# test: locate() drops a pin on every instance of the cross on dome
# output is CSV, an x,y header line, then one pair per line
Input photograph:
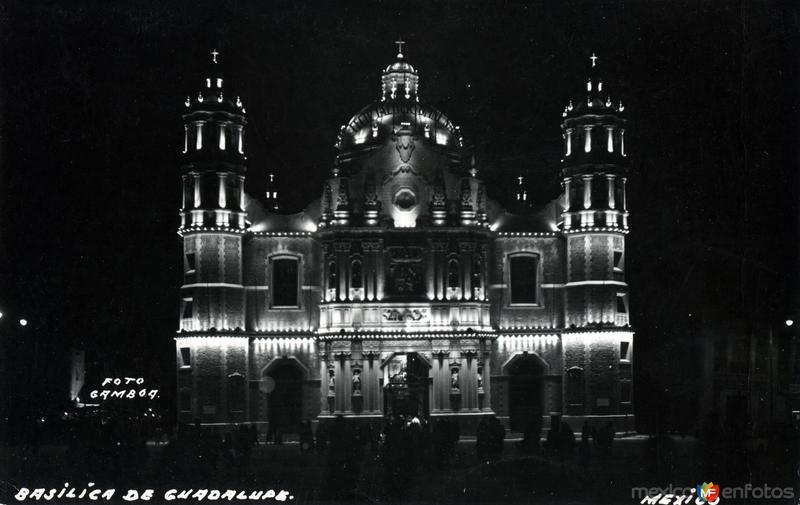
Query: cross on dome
x,y
214,54
594,60
400,47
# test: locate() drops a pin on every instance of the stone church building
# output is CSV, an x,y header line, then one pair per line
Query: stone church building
x,y
402,289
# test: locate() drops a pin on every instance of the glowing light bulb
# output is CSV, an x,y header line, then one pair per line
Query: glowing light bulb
x,y
23,322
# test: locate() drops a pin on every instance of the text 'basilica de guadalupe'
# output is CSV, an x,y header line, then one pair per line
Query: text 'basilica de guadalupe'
x,y
403,289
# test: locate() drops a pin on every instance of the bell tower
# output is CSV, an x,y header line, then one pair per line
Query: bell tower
x,y
598,339
212,216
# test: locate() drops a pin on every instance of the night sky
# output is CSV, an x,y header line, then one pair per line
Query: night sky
x,y
92,97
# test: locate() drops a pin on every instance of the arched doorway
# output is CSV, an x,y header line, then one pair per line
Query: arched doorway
x,y
525,391
406,390
285,402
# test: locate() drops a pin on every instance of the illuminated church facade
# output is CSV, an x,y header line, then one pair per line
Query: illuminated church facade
x,y
403,289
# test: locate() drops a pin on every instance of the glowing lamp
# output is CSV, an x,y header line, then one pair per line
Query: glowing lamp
x,y
789,322
23,322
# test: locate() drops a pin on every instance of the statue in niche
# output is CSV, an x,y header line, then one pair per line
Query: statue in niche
x,y
331,380
454,378
480,377
356,381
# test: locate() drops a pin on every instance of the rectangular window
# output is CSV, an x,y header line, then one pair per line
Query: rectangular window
x,y
621,308
284,282
190,262
625,391
617,261
186,356
235,393
624,350
188,308
522,275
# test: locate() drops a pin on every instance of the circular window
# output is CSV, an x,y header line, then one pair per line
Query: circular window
x,y
405,199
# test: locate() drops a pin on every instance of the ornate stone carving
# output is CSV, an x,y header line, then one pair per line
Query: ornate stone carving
x,y
327,197
466,194
371,246
405,314
343,195
405,272
371,192
341,246
405,147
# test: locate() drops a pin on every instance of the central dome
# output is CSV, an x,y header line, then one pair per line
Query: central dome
x,y
398,110
397,153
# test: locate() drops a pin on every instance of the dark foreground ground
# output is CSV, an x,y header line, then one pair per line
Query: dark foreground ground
x,y
311,478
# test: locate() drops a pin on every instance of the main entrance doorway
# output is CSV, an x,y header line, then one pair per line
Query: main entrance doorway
x,y
285,402
525,391
406,391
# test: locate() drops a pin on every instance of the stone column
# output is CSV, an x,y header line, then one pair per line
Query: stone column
x,y
430,265
440,372
342,250
569,141
587,143
587,191
466,272
380,271
368,270
370,381
610,139
612,202
440,270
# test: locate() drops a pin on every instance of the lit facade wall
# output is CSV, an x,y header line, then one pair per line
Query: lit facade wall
x,y
404,277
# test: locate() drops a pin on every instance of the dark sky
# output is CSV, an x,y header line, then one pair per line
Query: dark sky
x,y
92,96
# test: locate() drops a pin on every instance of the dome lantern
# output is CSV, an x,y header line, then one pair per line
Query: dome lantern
x,y
400,80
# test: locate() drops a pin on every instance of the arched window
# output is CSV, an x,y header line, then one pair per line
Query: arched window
x,y
355,274
453,280
477,273
522,274
285,282
236,392
333,278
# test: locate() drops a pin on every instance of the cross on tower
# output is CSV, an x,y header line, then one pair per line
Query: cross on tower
x,y
214,54
399,47
594,60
